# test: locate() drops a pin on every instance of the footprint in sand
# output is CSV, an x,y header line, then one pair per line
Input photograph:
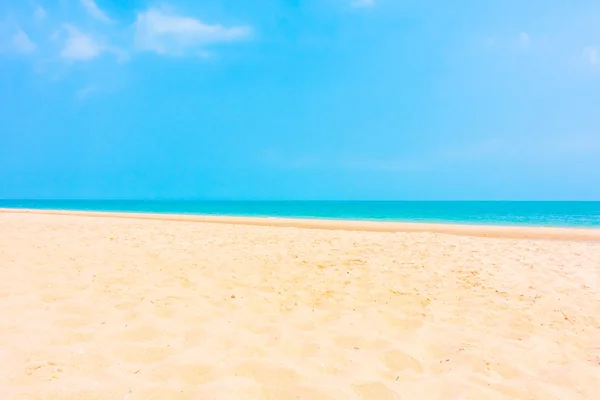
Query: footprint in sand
x,y
145,334
126,305
470,362
75,395
89,364
52,297
69,338
74,322
361,343
165,312
195,337
375,391
167,307
306,326
507,370
268,375
252,351
399,361
143,354
187,374
237,388
75,309
295,393
302,349
162,394
407,325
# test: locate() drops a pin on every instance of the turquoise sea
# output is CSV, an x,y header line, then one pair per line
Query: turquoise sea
x,y
528,213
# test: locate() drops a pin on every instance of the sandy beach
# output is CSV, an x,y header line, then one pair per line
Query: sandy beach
x,y
171,307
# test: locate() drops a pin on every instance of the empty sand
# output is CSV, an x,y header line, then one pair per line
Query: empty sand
x,y
122,308
513,232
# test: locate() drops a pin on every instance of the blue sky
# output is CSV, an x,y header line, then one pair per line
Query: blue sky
x,y
300,99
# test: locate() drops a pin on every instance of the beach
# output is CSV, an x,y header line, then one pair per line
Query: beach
x,y
142,306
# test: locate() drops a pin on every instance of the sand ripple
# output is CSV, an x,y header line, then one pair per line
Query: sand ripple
x,y
112,308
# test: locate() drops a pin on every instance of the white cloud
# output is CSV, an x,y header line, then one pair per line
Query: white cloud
x,y
592,55
22,42
39,13
169,34
96,13
363,3
524,39
80,47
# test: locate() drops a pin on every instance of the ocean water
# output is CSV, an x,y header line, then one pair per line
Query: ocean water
x,y
527,213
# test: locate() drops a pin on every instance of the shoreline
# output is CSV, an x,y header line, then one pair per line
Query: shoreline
x,y
489,231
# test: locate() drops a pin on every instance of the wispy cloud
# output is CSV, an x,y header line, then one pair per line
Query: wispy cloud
x,y
23,43
95,11
86,92
39,13
510,41
592,55
83,47
524,39
155,30
79,47
164,33
362,3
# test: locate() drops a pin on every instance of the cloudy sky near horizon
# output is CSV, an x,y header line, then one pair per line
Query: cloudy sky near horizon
x,y
300,99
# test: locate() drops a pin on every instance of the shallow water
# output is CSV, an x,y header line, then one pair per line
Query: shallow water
x,y
527,213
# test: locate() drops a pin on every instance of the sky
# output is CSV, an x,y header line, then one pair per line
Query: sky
x,y
300,99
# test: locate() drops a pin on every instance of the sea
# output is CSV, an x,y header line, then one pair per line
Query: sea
x,y
583,214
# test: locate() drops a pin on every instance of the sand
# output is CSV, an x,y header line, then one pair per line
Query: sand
x,y
363,226
108,307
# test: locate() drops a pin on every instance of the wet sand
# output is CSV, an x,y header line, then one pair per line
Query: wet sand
x,y
178,307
